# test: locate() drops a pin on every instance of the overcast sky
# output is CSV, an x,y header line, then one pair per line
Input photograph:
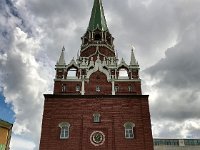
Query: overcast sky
x,y
166,36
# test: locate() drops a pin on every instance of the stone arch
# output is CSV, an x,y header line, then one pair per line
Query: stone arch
x,y
123,72
72,71
101,69
98,84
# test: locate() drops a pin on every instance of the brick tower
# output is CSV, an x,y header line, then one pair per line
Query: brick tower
x,y
97,102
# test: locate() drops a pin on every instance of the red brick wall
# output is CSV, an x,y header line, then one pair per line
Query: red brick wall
x,y
98,79
79,110
123,87
70,87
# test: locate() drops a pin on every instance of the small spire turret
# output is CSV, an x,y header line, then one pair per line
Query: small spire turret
x,y
133,61
61,60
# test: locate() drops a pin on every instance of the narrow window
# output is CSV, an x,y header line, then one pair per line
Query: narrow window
x,y
98,88
129,134
96,118
130,88
78,88
116,88
97,37
63,88
64,130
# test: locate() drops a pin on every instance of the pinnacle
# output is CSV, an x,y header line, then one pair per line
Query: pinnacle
x,y
61,60
133,60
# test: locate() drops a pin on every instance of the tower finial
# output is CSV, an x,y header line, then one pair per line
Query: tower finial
x,y
63,49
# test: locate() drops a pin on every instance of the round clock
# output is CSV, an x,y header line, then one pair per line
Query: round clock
x,y
97,138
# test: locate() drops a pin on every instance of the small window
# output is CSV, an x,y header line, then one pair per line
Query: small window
x,y
64,130
78,88
129,134
130,88
63,87
85,41
98,89
96,118
116,88
123,74
97,37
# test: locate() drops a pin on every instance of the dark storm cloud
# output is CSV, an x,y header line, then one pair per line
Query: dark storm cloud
x,y
10,18
181,66
13,9
177,76
5,32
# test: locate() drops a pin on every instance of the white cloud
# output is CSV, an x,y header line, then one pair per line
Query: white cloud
x,y
31,44
18,143
24,85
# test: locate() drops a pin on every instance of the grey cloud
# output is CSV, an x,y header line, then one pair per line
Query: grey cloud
x,y
20,79
177,78
152,29
176,105
73,9
181,67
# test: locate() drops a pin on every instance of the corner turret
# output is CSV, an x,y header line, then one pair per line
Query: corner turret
x,y
133,62
61,61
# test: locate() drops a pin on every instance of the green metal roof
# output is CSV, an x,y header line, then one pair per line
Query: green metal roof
x,y
97,20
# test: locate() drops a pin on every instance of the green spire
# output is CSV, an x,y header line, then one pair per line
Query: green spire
x,y
97,19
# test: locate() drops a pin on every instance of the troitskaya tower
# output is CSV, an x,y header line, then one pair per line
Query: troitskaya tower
x,y
97,101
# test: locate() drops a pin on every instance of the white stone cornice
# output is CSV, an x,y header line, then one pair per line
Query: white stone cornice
x,y
71,80
127,80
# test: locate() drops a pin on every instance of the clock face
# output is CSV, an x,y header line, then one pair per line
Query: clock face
x,y
97,138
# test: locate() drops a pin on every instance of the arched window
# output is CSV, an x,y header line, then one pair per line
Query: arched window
x,y
98,89
129,134
78,88
96,117
64,88
130,88
64,130
97,37
85,41
108,39
116,88
72,73
123,73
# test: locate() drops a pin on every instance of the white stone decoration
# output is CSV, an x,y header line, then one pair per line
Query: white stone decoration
x,y
97,138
